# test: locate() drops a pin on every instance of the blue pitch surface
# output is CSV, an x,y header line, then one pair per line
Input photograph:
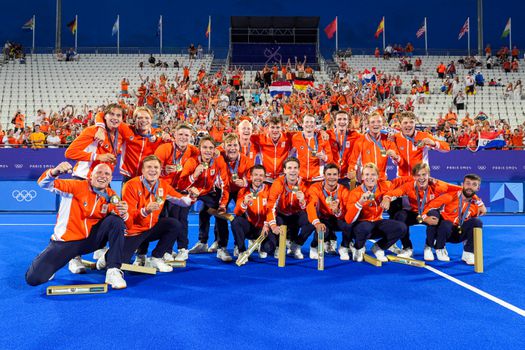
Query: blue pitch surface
x,y
214,305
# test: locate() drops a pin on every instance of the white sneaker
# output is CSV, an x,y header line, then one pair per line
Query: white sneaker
x,y
352,249
235,251
114,277
332,248
199,248
395,249
379,253
214,247
295,250
140,260
223,254
314,255
263,255
167,257
159,264
288,250
276,253
75,265
359,254
101,262
343,253
99,252
442,255
468,258
406,253
182,255
427,254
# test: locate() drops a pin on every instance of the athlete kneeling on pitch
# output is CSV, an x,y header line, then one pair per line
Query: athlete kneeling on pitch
x,y
250,214
145,196
459,213
84,224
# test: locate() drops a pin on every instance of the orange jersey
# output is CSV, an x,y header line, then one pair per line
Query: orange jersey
x,y
80,207
165,153
273,154
449,204
367,151
215,174
283,199
311,167
371,210
341,147
249,151
241,167
411,154
317,202
257,211
84,150
138,194
433,191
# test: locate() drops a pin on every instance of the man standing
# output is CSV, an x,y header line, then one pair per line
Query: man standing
x,y
84,224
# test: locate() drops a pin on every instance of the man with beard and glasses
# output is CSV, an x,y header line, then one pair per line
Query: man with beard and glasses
x,y
459,212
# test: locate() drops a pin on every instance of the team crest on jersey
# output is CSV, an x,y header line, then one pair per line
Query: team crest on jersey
x,y
401,148
131,138
106,146
104,209
455,211
347,144
140,193
367,151
212,172
302,147
283,144
85,204
264,201
432,196
161,192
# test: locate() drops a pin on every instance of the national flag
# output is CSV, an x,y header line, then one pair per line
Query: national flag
x,y
115,27
421,31
464,29
506,31
302,84
368,76
490,139
73,26
331,29
280,88
29,24
208,30
380,28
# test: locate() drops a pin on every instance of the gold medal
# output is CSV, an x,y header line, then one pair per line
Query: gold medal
x,y
114,199
159,199
178,167
235,177
295,189
419,219
314,153
383,153
329,199
205,165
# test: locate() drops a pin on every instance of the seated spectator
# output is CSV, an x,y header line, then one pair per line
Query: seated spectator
x,y
176,64
152,60
480,80
490,62
417,64
514,65
192,51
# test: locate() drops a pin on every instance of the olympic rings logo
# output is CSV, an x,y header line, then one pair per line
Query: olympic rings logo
x,y
23,195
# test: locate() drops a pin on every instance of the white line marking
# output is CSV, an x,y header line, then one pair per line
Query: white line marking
x,y
503,303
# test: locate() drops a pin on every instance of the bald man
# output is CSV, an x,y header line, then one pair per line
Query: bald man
x,y
90,215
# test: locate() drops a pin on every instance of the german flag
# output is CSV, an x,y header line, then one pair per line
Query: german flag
x,y
302,84
73,26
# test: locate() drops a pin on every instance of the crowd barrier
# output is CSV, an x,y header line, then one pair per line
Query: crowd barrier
x,y
502,172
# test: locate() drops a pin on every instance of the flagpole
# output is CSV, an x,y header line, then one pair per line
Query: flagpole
x,y
336,35
209,34
468,36
76,31
161,24
34,27
118,34
510,33
384,31
426,30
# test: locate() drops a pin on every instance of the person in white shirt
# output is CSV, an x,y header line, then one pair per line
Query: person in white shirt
x,y
52,139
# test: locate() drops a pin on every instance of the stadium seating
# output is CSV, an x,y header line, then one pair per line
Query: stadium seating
x,y
44,82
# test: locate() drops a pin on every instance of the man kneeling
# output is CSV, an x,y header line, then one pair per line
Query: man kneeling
x,y
84,224
145,196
